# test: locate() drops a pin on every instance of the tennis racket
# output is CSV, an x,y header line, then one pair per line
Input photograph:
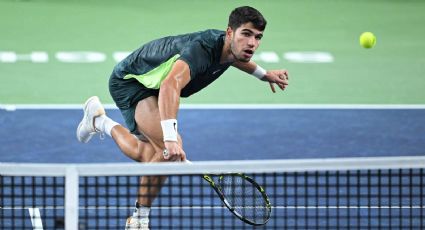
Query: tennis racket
x,y
244,197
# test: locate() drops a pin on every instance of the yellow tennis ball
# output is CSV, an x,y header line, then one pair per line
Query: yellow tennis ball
x,y
367,40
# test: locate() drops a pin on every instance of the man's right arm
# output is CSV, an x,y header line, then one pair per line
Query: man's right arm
x,y
168,103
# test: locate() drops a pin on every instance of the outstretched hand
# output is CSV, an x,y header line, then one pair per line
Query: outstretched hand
x,y
278,77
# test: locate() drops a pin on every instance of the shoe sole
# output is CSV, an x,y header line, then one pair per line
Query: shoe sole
x,y
99,112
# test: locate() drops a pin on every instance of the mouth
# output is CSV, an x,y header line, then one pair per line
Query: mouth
x,y
248,52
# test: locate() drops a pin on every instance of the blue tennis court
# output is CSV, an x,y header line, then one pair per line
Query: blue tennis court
x,y
48,135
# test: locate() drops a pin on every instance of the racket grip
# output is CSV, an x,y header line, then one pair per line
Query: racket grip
x,y
165,154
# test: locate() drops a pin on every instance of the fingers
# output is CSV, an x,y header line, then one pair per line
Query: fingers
x,y
283,75
183,157
285,72
174,153
165,154
168,156
282,79
281,84
272,87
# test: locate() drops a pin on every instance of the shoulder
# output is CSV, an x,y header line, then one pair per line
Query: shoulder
x,y
208,41
211,37
213,33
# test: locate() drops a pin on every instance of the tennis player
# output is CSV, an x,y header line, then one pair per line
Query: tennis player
x,y
147,85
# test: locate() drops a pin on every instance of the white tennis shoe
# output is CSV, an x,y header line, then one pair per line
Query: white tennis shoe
x,y
86,129
137,224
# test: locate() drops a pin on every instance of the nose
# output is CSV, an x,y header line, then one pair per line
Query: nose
x,y
252,41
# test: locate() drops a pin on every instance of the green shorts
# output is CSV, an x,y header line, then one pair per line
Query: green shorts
x,y
126,94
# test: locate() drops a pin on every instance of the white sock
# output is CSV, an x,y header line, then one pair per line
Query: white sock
x,y
141,212
105,124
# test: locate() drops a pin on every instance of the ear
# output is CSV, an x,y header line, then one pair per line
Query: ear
x,y
229,33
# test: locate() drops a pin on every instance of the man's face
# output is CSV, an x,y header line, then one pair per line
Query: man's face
x,y
244,41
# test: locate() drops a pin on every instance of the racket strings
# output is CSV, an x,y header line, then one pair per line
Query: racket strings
x,y
244,197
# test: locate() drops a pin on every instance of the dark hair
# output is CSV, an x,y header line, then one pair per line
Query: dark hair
x,y
245,14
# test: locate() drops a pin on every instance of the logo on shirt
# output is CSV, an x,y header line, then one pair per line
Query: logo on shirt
x,y
215,72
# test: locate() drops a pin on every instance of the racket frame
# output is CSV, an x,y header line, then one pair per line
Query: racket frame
x,y
218,190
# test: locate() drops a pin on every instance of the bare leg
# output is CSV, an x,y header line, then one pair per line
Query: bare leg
x,y
131,146
147,115
149,189
143,152
149,123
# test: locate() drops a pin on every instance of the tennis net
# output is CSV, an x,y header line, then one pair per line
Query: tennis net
x,y
340,193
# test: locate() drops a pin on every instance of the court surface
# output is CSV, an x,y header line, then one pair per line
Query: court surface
x,y
48,136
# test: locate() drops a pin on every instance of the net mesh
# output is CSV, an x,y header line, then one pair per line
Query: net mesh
x,y
28,202
301,199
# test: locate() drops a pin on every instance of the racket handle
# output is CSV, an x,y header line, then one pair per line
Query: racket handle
x,y
165,154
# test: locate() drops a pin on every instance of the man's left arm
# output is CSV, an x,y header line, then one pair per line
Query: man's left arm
x,y
279,77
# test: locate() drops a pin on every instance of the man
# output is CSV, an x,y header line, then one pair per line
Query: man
x,y
147,85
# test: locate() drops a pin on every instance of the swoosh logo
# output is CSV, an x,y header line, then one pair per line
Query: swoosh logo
x,y
216,71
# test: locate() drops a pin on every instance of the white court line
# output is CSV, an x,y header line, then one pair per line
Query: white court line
x,y
37,224
13,107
